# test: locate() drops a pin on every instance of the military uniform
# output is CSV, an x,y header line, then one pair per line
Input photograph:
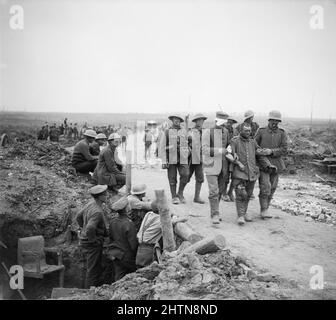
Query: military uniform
x,y
276,140
139,209
244,181
195,139
176,158
108,169
54,134
215,164
94,228
123,240
82,160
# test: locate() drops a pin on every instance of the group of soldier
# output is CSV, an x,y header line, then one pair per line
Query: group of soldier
x,y
54,132
243,154
231,158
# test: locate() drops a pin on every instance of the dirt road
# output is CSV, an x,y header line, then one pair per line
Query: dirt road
x,y
285,245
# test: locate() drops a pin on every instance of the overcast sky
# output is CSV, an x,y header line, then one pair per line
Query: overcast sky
x,y
156,56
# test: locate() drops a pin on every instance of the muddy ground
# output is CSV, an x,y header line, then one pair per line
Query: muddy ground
x,y
40,194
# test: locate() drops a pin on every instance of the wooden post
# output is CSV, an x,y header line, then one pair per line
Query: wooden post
x,y
128,171
166,223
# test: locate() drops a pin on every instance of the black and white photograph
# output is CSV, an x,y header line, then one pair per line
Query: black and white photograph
x,y
174,152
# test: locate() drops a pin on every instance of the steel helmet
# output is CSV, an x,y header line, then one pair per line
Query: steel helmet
x,y
175,116
274,115
101,136
221,115
90,133
139,189
248,114
232,119
199,116
114,136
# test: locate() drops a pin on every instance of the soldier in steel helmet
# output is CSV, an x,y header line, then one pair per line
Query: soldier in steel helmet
x,y
274,138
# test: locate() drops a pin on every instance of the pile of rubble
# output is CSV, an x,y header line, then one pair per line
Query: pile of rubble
x,y
312,210
44,153
213,276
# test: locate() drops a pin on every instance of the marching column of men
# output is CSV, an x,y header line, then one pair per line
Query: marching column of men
x,y
135,231
246,153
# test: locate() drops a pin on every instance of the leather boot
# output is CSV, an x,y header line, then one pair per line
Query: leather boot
x,y
214,210
197,198
247,216
240,206
180,192
264,203
175,199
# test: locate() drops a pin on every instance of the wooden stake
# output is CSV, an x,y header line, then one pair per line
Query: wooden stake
x,y
166,223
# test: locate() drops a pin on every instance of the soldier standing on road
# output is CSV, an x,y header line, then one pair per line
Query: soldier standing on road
x,y
215,164
93,223
195,137
174,151
274,138
248,118
245,171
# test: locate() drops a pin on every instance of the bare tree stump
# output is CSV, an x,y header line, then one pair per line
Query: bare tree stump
x,y
166,223
186,233
207,245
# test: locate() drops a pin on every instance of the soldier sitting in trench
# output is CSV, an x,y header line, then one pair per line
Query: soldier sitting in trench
x,y
138,207
150,236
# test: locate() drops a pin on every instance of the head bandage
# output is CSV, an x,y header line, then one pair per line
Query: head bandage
x,y
220,122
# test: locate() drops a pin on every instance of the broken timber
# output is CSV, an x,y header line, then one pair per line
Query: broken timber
x,y
207,245
166,223
184,231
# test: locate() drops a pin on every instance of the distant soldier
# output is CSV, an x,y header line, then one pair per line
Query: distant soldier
x,y
54,133
174,150
109,167
248,118
93,223
148,140
75,132
70,131
274,138
100,141
65,126
45,131
195,137
40,134
215,164
123,134
244,150
82,160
